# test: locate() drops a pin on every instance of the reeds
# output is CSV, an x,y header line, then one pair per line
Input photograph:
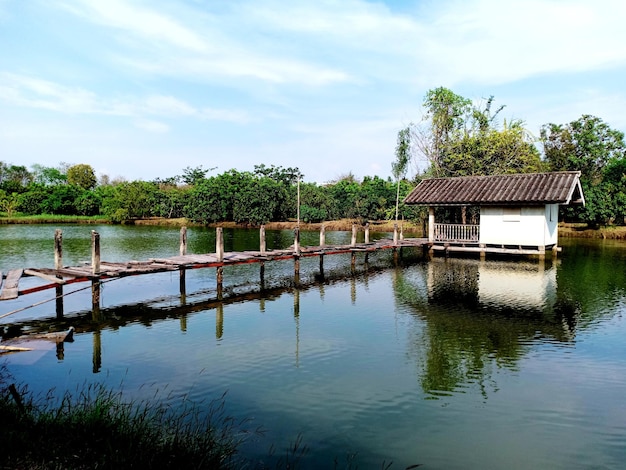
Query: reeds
x,y
96,429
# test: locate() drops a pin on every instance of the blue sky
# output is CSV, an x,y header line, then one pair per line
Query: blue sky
x,y
141,89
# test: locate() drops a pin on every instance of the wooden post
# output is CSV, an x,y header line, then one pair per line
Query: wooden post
x,y
183,241
296,256
95,253
262,245
58,264
367,232
353,240
219,243
483,252
95,270
296,269
58,249
401,232
353,261
182,274
395,234
220,282
296,241
431,224
95,300
555,250
262,274
322,266
323,235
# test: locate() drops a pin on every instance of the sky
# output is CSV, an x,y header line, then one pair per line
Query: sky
x,y
143,89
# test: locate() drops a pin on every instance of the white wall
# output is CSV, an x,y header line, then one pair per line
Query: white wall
x,y
533,226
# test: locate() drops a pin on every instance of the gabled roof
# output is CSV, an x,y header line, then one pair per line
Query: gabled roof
x,y
562,187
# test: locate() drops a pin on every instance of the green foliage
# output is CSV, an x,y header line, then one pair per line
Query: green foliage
x,y
81,175
193,176
14,178
585,145
132,200
492,152
48,175
590,146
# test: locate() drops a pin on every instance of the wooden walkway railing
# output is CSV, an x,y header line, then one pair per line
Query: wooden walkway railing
x,y
457,233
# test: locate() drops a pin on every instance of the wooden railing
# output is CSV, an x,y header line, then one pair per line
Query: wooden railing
x,y
456,233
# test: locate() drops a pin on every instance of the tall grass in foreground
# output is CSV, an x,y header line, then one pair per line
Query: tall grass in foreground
x,y
96,429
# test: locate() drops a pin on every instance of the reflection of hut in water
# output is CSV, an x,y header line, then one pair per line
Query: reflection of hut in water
x,y
478,317
526,285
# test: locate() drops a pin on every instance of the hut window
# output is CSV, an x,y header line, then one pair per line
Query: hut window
x,y
511,214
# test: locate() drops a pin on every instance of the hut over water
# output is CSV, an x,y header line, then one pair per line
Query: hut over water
x,y
519,210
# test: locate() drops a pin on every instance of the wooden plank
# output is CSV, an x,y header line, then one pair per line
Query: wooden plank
x,y
10,290
47,277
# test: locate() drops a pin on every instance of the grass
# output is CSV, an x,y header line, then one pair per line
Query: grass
x,y
96,428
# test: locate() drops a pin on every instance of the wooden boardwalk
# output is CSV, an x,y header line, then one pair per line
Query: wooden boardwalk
x,y
56,277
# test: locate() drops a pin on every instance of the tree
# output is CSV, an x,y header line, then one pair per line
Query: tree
x,y
585,145
49,175
590,146
400,165
193,176
14,178
82,175
447,113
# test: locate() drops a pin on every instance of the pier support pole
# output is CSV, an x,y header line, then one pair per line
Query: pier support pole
x,y
323,235
353,262
353,239
58,264
95,271
183,273
219,243
220,282
367,232
296,255
395,234
96,358
262,244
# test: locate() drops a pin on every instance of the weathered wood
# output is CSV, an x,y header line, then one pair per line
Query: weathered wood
x,y
219,243
95,252
296,241
323,235
262,239
183,241
367,232
10,289
353,238
58,249
47,277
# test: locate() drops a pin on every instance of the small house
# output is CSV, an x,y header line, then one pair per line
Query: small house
x,y
518,211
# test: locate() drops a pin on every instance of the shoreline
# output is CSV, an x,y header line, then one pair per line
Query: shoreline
x,y
566,230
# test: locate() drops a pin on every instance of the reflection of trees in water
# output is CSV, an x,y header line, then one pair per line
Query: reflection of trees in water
x,y
467,330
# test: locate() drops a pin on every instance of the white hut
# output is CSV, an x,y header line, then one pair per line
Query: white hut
x,y
517,211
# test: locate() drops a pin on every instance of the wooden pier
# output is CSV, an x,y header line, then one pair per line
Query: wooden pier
x,y
100,270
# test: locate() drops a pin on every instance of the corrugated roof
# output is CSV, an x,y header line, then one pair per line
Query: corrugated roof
x,y
561,187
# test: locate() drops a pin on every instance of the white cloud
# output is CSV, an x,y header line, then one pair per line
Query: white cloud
x,y
152,126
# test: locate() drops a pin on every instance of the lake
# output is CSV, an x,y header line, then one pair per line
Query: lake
x,y
448,363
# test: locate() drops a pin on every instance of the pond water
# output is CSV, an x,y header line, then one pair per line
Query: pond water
x,y
448,363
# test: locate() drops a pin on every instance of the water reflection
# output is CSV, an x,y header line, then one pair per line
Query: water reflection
x,y
478,316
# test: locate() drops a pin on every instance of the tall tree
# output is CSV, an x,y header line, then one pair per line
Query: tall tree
x,y
446,112
82,175
400,166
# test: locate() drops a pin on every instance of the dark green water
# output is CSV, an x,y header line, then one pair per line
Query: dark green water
x,y
449,363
